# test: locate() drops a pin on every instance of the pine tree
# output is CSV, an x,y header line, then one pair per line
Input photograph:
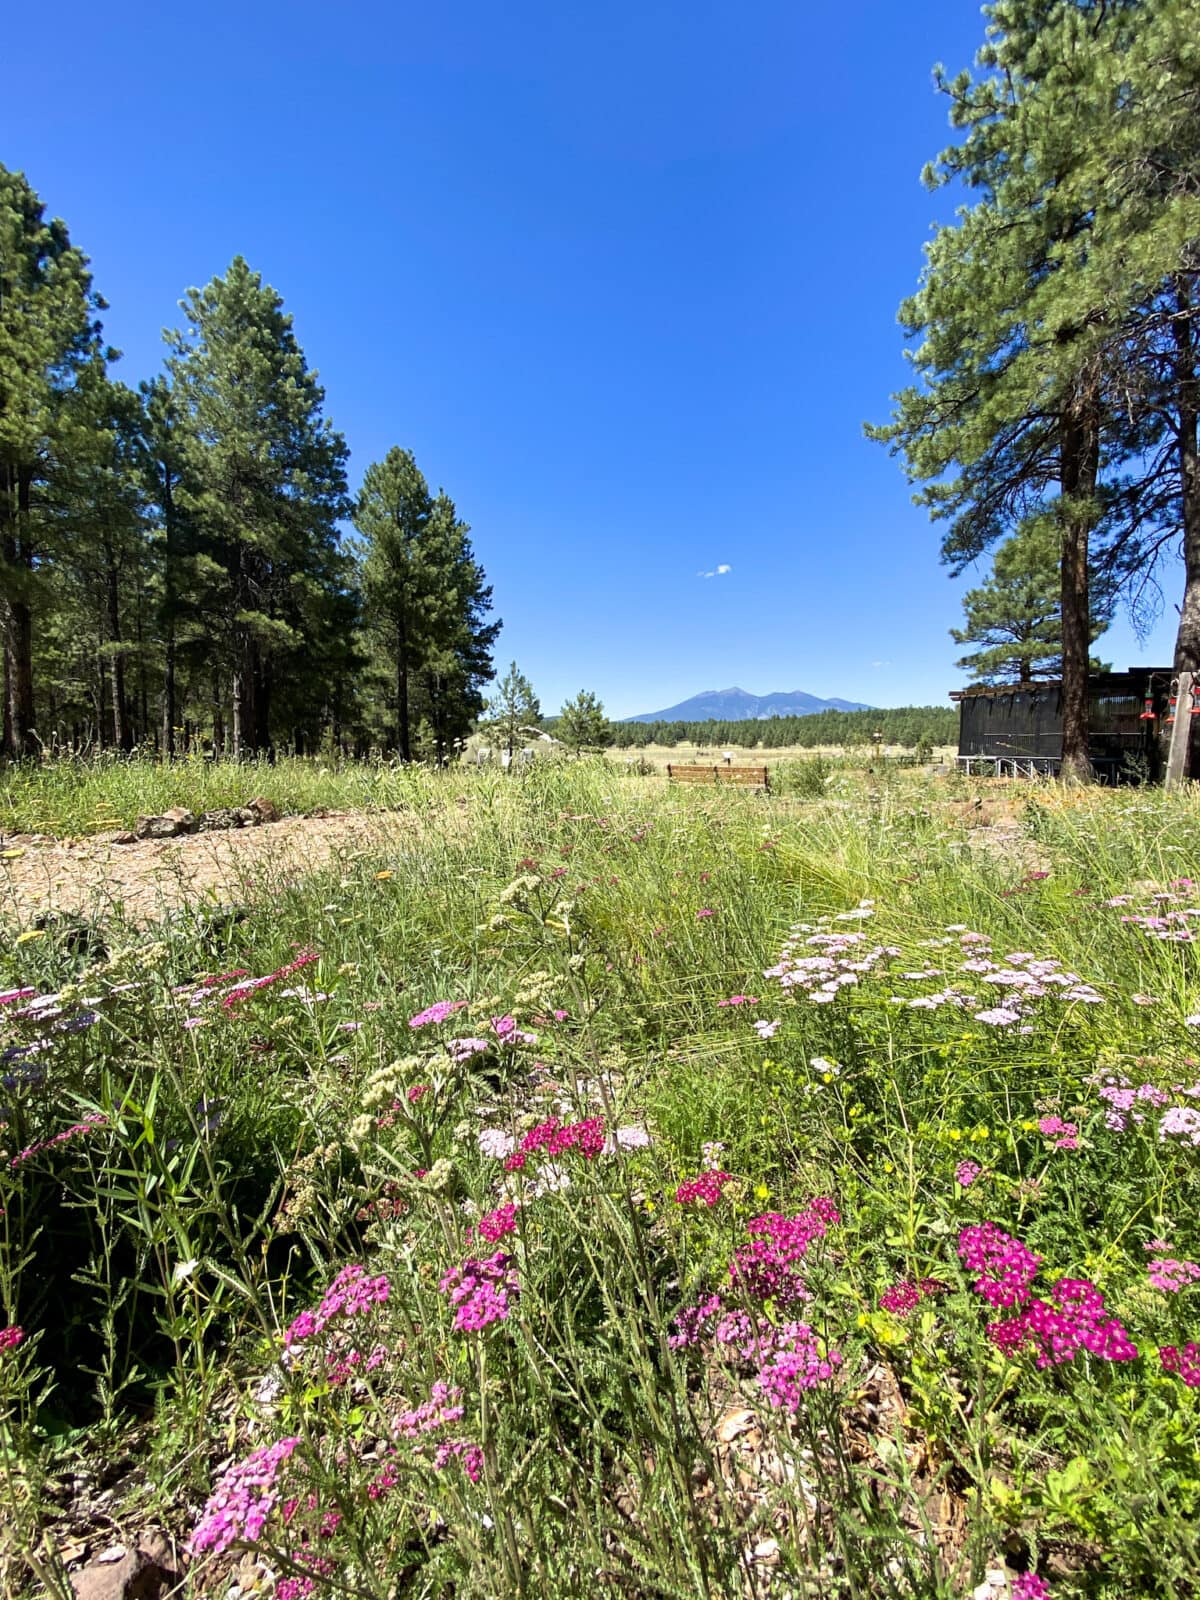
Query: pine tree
x,y
263,484
513,710
582,724
425,602
1015,616
48,335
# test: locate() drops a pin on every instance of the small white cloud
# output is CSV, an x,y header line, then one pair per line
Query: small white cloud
x,y
717,572
881,663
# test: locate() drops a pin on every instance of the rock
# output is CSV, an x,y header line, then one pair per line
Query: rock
x,y
246,817
122,1574
264,810
127,837
168,826
215,821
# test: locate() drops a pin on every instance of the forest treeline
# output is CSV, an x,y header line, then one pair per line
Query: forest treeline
x,y
910,726
172,565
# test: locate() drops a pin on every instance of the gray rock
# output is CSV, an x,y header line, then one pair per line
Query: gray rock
x,y
123,1574
168,826
216,821
264,810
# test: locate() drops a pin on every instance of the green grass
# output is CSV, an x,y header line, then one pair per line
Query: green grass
x,y
241,1164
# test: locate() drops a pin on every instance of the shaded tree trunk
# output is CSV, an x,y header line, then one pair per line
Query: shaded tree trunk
x,y
120,710
16,616
168,613
1187,391
1079,470
402,735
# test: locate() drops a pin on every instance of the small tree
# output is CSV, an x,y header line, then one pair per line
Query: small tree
x,y
512,708
583,725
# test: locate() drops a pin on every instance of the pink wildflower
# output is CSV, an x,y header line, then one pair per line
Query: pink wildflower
x,y
795,1365
1065,1135
243,1500
1171,1276
350,1294
11,1337
966,1172
738,1000
1184,1363
438,1012
443,1407
1005,1266
905,1296
417,1090
1028,1586
479,1291
1058,1332
704,911
493,1225
706,1188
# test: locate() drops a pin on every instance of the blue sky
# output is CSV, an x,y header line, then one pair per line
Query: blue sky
x,y
624,277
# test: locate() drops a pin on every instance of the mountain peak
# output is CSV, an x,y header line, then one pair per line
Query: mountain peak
x,y
737,705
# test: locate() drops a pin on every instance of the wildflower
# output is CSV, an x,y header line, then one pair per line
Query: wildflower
x,y
905,1296
1183,1363
11,1337
738,1000
794,1366
1171,1276
1058,1332
1183,1121
95,1120
1064,1134
438,1012
351,1293
479,1291
764,1269
493,1225
243,1500
495,1142
555,1138
417,1090
766,1030
966,1172
1028,1586
460,1050
706,1188
710,1153
1005,1266
468,1455
692,1322
704,911
443,1407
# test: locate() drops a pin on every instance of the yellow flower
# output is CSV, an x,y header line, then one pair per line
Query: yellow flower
x,y
383,876
30,934
761,1192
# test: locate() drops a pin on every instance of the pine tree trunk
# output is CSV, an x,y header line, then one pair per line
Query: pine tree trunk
x,y
1079,470
120,710
168,694
402,737
1187,640
15,613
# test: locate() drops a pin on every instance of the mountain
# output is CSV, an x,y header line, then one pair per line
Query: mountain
x,y
736,705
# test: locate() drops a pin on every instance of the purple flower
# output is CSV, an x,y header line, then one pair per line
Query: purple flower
x,y
966,1172
438,1012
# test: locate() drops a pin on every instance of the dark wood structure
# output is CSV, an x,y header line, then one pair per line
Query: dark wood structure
x,y
1015,730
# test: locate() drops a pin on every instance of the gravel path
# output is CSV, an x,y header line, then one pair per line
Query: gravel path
x,y
141,882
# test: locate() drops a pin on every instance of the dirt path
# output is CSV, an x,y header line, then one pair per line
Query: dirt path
x,y
140,882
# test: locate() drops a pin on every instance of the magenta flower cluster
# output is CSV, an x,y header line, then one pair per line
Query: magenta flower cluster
x,y
10,1338
966,1172
1005,1266
788,1357
706,1188
243,991
1183,1363
468,1455
243,1500
494,1225
479,1291
67,1134
906,1296
1064,1135
443,1407
1171,1276
738,1000
1076,1321
437,1012
1028,1586
765,1268
794,1365
555,1138
350,1294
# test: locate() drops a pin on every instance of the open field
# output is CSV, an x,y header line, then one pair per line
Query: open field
x,y
756,756
561,1184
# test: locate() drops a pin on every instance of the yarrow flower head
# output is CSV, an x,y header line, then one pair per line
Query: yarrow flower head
x,y
479,1291
494,1225
443,1407
1076,1321
1171,1276
10,1338
1028,1586
1183,1363
350,1294
438,1012
1005,1266
966,1172
794,1365
243,1500
706,1188
765,1268
905,1296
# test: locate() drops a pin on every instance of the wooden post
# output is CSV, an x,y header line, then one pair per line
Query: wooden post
x,y
1181,733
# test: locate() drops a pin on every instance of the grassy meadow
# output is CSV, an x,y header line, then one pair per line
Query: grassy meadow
x,y
593,1187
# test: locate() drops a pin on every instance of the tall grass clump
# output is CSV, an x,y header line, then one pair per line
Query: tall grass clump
x,y
607,1189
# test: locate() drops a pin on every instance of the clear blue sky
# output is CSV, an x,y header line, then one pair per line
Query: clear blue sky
x,y
623,276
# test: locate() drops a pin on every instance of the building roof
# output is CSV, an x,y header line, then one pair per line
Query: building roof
x,y
1132,681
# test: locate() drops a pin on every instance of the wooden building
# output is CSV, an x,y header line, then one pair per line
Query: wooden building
x,y
1015,729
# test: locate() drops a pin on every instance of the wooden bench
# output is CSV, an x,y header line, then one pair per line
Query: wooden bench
x,y
744,777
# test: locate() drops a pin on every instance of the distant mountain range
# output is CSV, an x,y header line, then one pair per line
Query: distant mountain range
x,y
737,705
